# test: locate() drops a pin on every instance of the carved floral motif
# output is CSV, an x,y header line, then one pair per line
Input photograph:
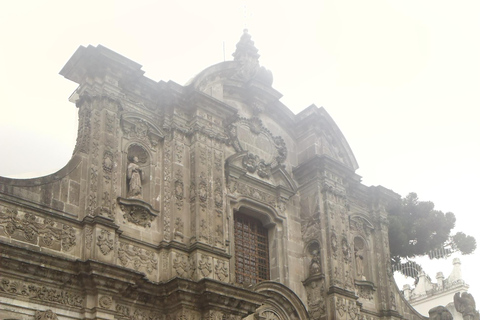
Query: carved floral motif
x,y
204,265
105,302
42,293
183,266
45,315
135,257
104,242
221,270
36,230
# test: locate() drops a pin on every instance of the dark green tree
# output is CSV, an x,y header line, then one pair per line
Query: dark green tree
x,y
417,229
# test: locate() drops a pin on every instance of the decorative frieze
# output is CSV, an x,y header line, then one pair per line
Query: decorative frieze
x,y
45,315
131,256
41,293
44,232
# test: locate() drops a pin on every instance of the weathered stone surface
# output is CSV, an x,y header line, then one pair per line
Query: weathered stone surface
x,y
140,223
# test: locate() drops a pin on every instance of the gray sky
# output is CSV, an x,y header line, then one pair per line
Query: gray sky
x,y
400,78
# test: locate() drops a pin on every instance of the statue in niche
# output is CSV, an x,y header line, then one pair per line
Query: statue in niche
x,y
134,179
315,267
359,258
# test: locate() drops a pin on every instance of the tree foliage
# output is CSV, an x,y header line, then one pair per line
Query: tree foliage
x,y
417,229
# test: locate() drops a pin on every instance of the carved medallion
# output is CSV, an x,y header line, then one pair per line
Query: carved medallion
x,y
137,211
262,150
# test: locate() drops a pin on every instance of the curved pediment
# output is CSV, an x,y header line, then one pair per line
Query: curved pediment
x,y
326,137
140,127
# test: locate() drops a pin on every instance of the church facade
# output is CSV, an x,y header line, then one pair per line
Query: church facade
x,y
205,201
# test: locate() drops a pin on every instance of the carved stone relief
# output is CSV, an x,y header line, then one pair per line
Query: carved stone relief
x,y
204,266
41,293
105,242
45,315
183,266
262,150
137,212
315,299
221,270
135,128
36,230
105,302
131,256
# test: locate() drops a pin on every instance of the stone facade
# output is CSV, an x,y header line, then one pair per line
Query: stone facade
x,y
140,223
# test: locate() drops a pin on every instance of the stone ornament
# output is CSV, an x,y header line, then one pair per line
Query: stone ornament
x,y
440,313
104,242
31,228
137,211
105,302
263,151
45,315
131,256
41,293
134,178
465,304
139,129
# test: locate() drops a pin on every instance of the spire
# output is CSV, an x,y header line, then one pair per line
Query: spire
x,y
246,48
248,66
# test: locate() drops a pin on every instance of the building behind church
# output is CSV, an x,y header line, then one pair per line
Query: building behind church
x,y
205,201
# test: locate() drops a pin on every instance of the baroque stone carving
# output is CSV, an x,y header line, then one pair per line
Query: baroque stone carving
x,y
137,314
29,228
104,242
136,128
137,211
179,193
42,293
204,265
134,178
45,315
105,302
135,257
183,266
178,230
221,270
465,304
88,237
262,150
315,299
440,313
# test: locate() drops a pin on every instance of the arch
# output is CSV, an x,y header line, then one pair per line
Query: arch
x,y
283,300
265,213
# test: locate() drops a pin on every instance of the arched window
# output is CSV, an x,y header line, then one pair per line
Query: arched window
x,y
251,250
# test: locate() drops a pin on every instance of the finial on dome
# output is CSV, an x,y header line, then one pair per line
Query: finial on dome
x,y
246,48
247,56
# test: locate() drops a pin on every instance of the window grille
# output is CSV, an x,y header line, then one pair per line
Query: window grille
x,y
251,250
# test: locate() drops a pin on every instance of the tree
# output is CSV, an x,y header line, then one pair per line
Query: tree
x,y
417,229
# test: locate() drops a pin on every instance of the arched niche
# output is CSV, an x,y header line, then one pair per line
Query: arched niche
x,y
282,303
137,177
361,258
313,264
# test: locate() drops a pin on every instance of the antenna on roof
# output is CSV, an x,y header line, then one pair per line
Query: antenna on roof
x,y
223,42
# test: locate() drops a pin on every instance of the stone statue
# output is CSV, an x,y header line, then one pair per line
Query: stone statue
x,y
315,263
134,179
359,264
465,304
440,313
